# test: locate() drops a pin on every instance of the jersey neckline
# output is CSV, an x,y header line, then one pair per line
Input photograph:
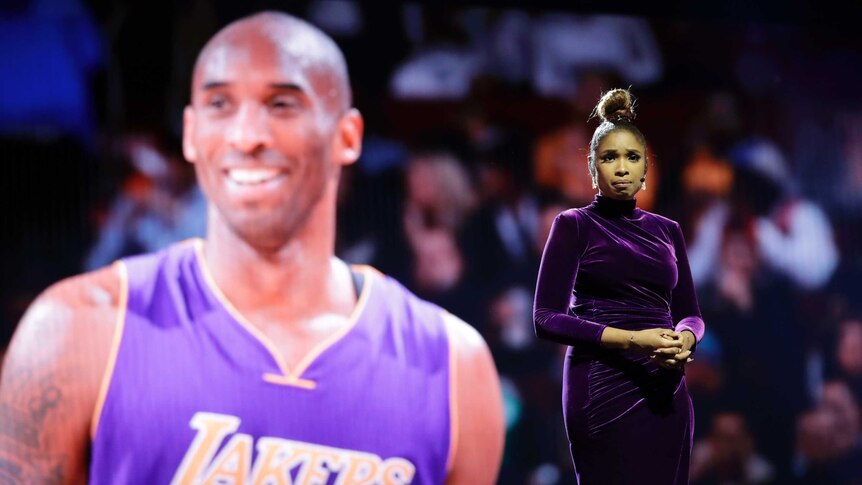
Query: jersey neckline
x,y
287,376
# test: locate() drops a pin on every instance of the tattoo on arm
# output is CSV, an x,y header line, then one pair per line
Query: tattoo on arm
x,y
26,456
20,470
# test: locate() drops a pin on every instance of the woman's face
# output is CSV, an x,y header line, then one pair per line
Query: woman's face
x,y
620,165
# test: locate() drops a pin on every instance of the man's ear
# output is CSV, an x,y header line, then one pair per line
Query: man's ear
x,y
189,150
348,140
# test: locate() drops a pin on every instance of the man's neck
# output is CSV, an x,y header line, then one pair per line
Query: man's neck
x,y
300,278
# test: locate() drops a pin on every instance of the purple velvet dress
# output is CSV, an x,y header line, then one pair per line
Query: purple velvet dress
x,y
610,264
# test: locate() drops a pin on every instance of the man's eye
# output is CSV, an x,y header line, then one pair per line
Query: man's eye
x,y
282,104
218,102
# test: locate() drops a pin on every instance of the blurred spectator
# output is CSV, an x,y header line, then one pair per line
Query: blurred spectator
x,y
159,204
564,45
438,265
550,52
514,332
440,197
728,456
447,55
838,400
756,244
848,354
499,239
829,449
707,181
764,345
439,191
793,234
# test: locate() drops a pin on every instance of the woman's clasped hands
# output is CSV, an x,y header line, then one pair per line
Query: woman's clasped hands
x,y
667,348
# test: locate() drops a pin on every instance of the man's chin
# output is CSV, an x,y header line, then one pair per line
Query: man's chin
x,y
263,232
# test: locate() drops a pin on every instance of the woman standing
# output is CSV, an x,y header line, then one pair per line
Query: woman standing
x,y
615,286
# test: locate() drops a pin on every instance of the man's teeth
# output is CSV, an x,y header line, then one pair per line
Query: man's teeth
x,y
252,176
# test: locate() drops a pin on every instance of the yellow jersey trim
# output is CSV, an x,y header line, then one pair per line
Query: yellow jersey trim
x,y
122,305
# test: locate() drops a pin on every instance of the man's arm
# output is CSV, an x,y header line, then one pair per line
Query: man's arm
x,y
478,408
51,379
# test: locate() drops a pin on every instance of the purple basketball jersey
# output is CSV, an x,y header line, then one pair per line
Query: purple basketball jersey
x,y
195,394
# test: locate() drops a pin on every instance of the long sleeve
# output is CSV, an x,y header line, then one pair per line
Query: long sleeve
x,y
683,305
557,273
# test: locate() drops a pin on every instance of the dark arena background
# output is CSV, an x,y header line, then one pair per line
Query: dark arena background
x,y
477,121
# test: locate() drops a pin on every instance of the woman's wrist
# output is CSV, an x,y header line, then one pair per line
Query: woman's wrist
x,y
615,338
689,338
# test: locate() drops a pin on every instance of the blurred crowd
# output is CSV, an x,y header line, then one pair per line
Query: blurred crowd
x,y
478,124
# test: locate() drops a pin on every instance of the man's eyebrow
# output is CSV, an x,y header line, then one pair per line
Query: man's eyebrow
x,y
214,85
286,87
210,85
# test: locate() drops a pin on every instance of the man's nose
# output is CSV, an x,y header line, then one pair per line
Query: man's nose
x,y
249,131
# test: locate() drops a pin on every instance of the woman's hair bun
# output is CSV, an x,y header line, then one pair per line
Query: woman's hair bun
x,y
616,105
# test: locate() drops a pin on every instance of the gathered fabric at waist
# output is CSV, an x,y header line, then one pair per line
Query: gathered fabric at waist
x,y
603,385
624,317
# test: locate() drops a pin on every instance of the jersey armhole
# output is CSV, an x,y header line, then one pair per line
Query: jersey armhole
x,y
122,304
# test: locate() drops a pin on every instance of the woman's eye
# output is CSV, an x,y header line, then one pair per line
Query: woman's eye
x,y
634,157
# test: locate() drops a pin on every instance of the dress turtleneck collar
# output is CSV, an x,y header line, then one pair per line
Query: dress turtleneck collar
x,y
613,207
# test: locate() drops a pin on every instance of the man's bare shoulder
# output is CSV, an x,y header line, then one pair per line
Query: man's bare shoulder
x,y
74,316
97,290
467,342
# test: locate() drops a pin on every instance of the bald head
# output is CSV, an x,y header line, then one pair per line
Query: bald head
x,y
293,41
